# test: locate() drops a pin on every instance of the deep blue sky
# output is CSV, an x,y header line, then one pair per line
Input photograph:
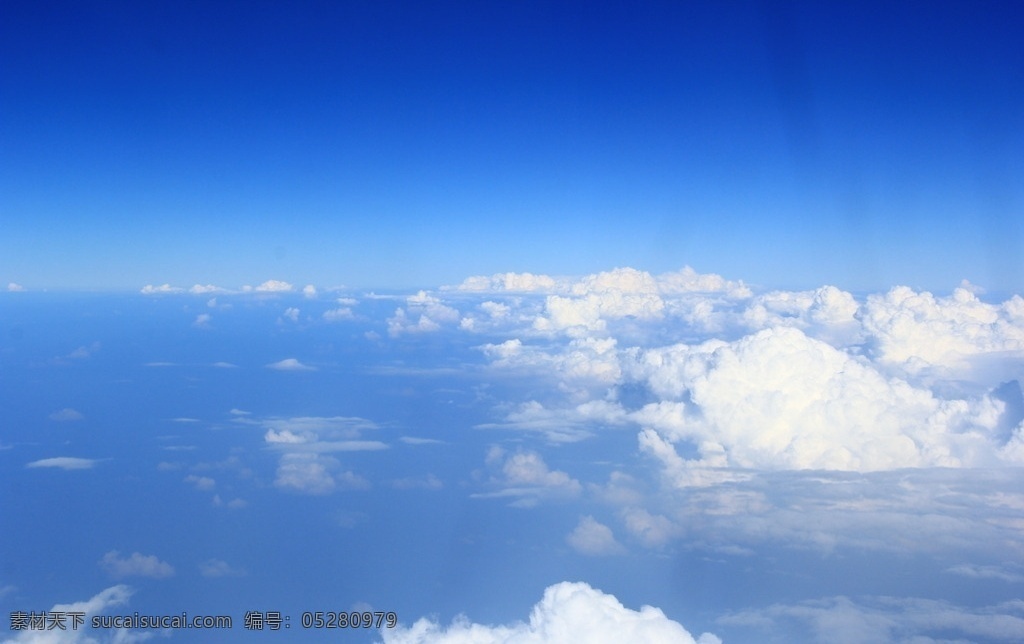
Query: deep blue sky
x,y
385,144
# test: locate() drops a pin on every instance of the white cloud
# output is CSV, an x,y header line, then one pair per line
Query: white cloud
x,y
973,513
66,414
290,364
566,425
338,314
309,473
13,287
149,289
109,598
65,463
569,613
415,440
309,291
525,477
135,565
1010,573
202,321
304,443
915,330
515,282
424,313
653,530
274,286
687,280
593,538
291,313
201,289
779,399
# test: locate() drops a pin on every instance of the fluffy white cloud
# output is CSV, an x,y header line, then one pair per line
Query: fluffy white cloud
x,y
98,603
423,313
779,399
304,472
202,321
274,286
916,330
568,613
290,364
135,565
526,478
309,291
65,463
687,280
590,537
514,282
13,287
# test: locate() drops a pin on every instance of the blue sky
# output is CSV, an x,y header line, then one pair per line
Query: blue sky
x,y
665,323
401,145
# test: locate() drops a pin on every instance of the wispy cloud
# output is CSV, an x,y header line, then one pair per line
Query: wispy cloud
x,y
65,463
66,414
290,364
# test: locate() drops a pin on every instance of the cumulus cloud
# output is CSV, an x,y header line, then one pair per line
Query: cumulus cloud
x,y
917,330
13,287
65,463
274,286
135,565
98,603
515,282
524,477
313,473
290,364
568,613
66,414
779,399
202,321
423,313
590,537
291,313
304,443
309,291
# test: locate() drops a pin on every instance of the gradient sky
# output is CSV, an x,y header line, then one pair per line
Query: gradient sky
x,y
384,144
